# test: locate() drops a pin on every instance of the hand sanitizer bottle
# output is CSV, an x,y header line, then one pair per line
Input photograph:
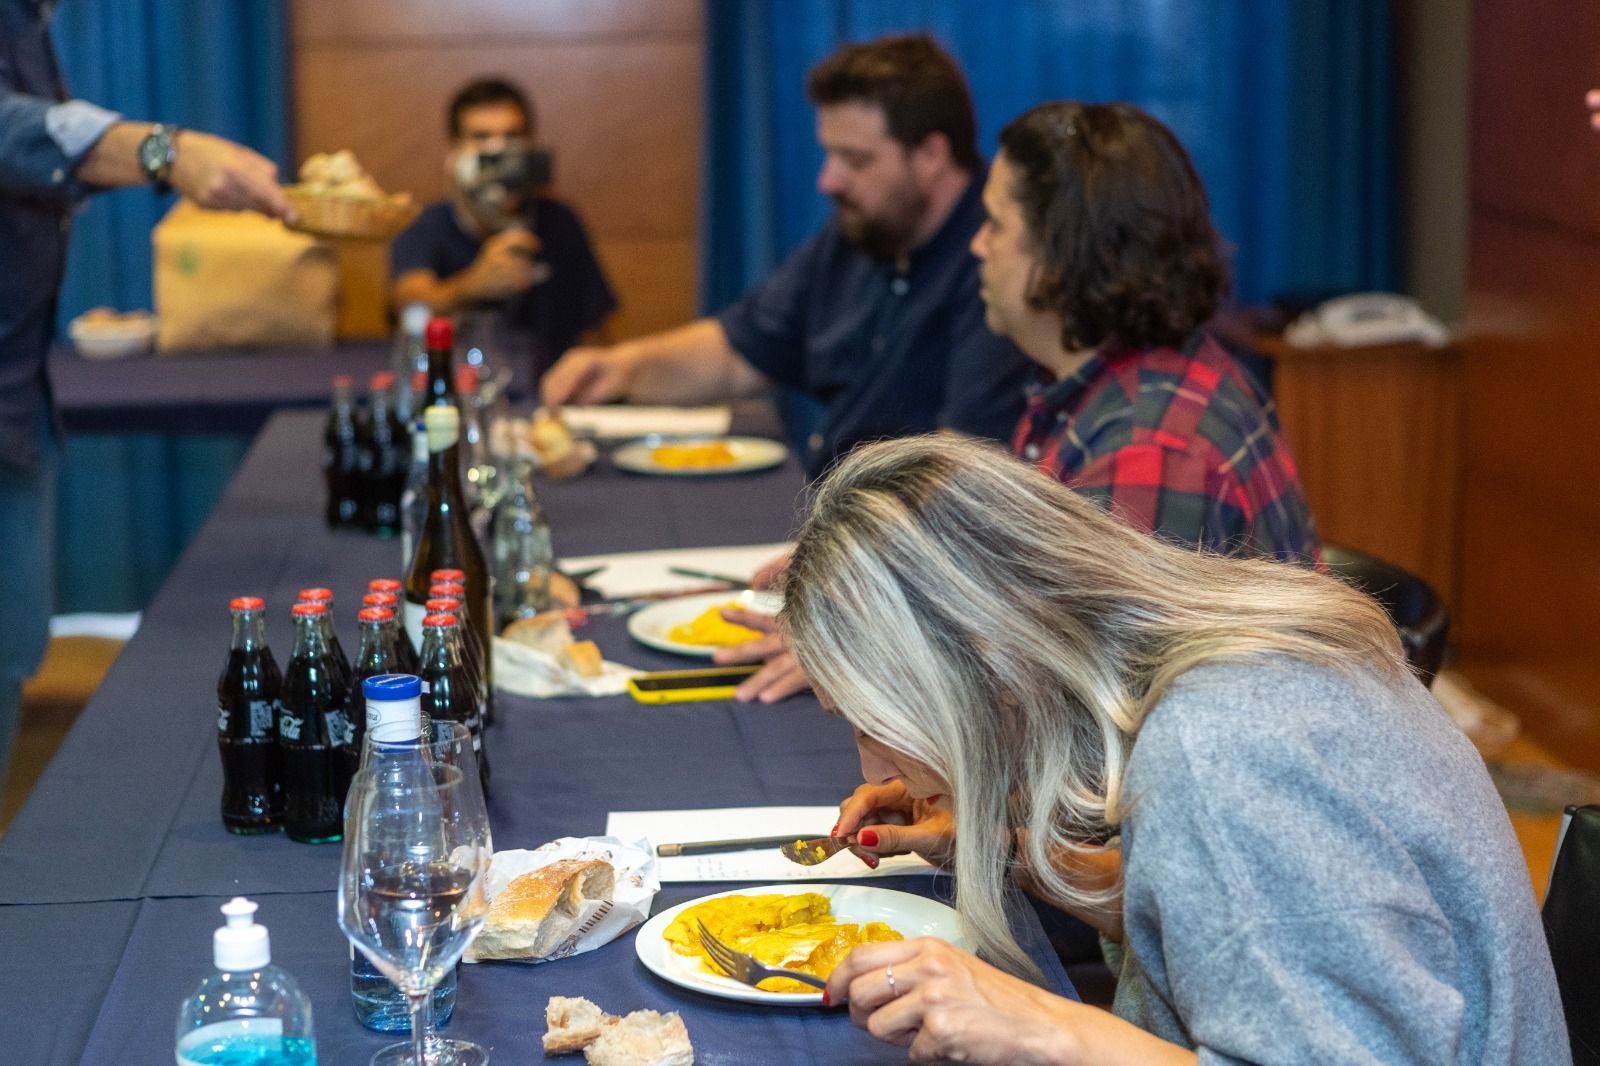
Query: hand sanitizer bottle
x,y
249,1012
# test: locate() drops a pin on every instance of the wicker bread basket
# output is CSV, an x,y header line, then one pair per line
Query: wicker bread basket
x,y
324,214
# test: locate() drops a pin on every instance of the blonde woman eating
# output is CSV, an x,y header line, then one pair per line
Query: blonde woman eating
x,y
1315,867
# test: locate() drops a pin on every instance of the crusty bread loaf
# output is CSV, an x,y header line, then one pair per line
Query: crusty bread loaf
x,y
547,631
572,1024
584,655
532,915
643,1038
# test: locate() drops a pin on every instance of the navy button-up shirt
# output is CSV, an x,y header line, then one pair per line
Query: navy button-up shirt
x,y
888,353
42,138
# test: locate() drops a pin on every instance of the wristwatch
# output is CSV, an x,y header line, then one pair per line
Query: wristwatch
x,y
157,152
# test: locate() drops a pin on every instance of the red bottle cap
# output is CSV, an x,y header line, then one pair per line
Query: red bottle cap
x,y
439,334
381,381
439,620
383,584
375,614
466,380
300,610
442,603
447,588
343,381
247,603
316,595
380,599
448,575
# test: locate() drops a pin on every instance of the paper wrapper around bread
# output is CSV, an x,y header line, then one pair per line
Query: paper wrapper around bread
x,y
586,892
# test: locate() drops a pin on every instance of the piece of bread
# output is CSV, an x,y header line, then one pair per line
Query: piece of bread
x,y
535,913
547,631
572,1024
643,1038
584,656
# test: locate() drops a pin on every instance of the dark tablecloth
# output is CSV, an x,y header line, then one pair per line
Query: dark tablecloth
x,y
111,876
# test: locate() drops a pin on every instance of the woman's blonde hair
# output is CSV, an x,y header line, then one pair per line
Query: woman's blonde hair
x,y
986,621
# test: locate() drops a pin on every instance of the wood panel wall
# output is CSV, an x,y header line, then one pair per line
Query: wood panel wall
x,y
1529,625
617,87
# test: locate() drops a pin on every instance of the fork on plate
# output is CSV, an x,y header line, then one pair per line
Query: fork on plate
x,y
744,968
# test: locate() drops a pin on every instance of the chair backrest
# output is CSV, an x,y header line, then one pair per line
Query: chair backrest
x,y
1416,610
1572,927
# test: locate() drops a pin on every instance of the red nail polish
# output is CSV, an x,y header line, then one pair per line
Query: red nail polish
x,y
871,861
835,830
869,838
826,1002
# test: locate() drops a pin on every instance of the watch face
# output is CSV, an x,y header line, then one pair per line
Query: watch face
x,y
155,152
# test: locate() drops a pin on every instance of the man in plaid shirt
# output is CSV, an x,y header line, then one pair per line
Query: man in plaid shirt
x,y
1099,261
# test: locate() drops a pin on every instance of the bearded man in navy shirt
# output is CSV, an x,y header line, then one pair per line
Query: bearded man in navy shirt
x,y
877,317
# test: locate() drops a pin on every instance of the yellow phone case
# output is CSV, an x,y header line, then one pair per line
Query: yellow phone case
x,y
691,693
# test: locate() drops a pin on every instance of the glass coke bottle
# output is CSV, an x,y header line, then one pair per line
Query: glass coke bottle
x,y
375,656
405,653
448,689
247,709
446,540
471,644
312,727
341,460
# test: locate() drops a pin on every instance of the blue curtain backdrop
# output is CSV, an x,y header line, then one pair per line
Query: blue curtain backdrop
x,y
129,503
214,65
1284,104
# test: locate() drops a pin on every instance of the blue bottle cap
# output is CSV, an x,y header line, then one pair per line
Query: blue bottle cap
x,y
392,687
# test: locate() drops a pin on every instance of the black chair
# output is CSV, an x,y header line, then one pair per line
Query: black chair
x,y
1417,611
1572,927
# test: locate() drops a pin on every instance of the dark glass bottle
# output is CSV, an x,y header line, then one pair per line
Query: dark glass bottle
x,y
476,653
448,690
441,604
389,445
405,653
313,726
446,540
341,459
341,661
247,709
375,656
439,338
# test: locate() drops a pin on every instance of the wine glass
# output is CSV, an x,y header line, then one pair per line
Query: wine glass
x,y
416,849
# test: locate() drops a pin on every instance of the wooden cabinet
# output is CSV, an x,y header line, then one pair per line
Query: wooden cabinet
x,y
1376,433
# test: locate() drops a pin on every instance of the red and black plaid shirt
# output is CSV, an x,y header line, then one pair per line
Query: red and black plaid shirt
x,y
1183,444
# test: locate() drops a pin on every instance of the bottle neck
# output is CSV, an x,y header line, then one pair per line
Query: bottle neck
x,y
441,389
249,630
309,641
377,645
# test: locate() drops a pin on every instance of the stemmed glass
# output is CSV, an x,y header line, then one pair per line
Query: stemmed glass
x,y
416,849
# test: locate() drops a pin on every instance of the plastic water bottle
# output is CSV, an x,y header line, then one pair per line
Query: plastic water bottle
x,y
394,752
249,1012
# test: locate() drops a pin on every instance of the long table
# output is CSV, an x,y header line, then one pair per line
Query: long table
x,y
111,876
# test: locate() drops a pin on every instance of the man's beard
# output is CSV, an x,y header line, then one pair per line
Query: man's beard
x,y
887,235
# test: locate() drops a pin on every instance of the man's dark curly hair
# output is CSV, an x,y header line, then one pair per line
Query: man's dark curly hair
x,y
919,88
488,91
1119,222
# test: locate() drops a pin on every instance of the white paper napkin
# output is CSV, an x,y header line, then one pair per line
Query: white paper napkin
x,y
525,671
687,826
622,421
644,573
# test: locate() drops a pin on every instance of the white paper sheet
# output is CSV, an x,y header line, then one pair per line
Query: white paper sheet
x,y
624,421
722,823
645,573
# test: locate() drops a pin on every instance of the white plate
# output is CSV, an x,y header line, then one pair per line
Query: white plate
x,y
651,625
909,914
749,453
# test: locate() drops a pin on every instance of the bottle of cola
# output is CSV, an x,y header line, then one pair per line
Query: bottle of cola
x,y
341,457
405,653
389,444
471,644
449,691
314,733
247,709
341,661
442,604
375,656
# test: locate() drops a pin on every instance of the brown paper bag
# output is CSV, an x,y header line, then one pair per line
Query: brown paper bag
x,y
227,279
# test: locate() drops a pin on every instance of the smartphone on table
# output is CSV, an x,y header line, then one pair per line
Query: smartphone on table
x,y
688,686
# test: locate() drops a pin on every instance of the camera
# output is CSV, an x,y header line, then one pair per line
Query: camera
x,y
496,185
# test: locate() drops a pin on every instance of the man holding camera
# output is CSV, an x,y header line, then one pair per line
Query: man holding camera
x,y
496,244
